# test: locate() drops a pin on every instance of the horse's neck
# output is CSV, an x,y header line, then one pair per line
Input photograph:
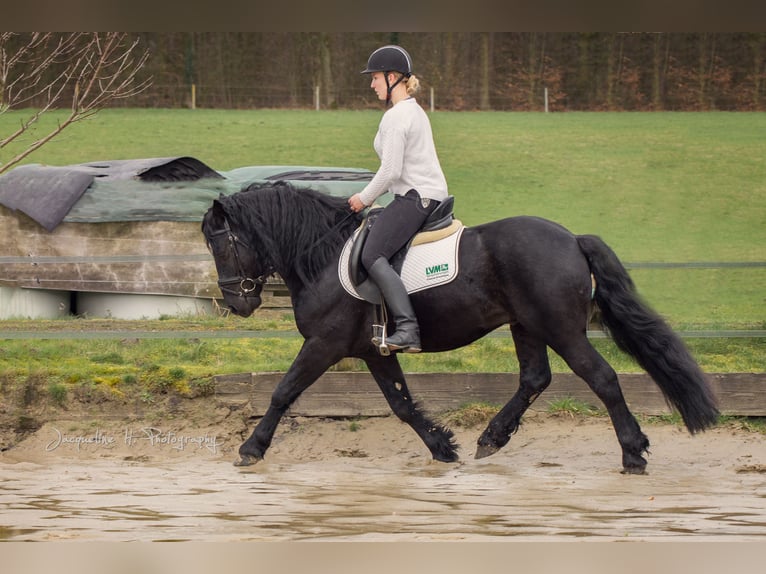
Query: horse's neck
x,y
307,256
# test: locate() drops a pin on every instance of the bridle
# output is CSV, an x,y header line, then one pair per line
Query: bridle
x,y
244,286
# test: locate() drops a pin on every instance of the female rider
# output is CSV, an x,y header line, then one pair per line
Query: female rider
x,y
410,169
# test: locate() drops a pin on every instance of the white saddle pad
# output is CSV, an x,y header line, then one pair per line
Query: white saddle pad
x,y
425,266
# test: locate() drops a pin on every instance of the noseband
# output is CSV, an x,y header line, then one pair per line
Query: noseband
x,y
244,286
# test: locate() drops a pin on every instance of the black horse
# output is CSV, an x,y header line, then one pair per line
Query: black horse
x,y
525,271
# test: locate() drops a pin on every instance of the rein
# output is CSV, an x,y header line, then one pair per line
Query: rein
x,y
327,233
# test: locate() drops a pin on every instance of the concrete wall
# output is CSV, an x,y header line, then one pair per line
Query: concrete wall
x,y
134,306
18,303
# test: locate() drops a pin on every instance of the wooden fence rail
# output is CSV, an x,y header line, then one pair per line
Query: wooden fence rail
x,y
349,394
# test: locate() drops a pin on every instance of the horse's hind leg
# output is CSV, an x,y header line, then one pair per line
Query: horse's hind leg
x,y
390,378
589,365
534,377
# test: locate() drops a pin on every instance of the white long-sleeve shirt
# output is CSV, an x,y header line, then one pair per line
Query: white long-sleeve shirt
x,y
405,145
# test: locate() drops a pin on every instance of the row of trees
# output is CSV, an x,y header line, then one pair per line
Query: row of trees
x,y
466,70
499,71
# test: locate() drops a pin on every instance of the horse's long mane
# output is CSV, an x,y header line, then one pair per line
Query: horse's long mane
x,y
300,230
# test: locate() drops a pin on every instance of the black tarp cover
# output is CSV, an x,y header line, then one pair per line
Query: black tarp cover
x,y
159,189
48,193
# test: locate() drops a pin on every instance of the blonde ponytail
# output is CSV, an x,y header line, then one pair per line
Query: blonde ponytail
x,y
413,85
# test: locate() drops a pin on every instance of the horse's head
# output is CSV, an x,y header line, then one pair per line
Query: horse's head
x,y
240,275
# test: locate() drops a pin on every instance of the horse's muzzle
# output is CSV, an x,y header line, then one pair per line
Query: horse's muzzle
x,y
243,306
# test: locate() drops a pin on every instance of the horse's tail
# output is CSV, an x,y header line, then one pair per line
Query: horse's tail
x,y
641,332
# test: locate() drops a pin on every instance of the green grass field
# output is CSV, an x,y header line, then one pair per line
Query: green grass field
x,y
658,187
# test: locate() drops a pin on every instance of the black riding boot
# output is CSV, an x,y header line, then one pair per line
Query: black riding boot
x,y
407,335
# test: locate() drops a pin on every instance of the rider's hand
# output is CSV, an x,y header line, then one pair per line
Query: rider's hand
x,y
355,203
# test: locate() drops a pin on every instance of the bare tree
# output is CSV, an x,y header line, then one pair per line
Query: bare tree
x,y
45,70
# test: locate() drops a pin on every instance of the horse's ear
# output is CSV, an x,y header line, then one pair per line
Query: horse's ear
x,y
215,215
218,209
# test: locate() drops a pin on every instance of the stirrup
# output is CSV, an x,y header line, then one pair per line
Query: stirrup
x,y
379,339
384,348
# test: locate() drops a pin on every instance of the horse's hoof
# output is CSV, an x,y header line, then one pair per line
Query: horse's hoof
x,y
634,470
247,460
484,450
448,458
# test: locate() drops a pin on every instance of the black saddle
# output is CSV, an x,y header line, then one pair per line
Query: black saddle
x,y
440,218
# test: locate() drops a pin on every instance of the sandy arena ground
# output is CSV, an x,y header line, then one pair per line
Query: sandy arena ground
x,y
372,480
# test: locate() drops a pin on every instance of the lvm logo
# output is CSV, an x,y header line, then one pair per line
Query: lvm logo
x,y
437,271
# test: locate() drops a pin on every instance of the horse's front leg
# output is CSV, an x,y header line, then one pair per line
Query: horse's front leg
x,y
388,374
314,358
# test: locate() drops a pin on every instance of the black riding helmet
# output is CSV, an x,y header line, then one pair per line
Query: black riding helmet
x,y
389,58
